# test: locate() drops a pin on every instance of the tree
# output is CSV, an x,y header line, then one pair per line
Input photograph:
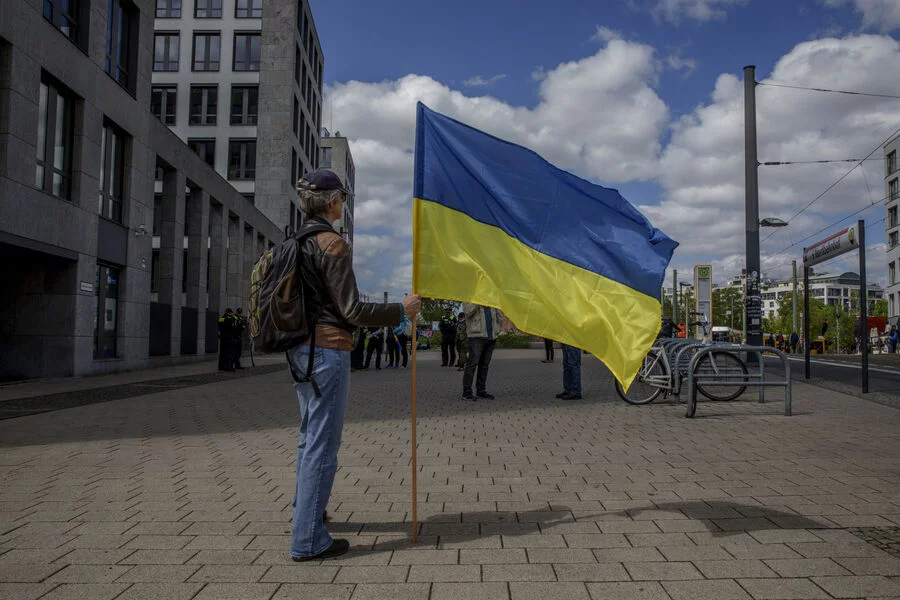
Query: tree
x,y
880,308
433,308
725,300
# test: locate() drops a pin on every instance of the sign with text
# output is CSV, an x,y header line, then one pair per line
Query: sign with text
x,y
703,292
835,245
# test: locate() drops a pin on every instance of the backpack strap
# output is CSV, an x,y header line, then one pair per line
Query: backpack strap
x,y
312,319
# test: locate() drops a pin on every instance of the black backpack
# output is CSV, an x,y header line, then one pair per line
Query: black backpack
x,y
279,318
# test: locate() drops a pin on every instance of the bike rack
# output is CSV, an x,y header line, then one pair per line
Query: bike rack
x,y
713,379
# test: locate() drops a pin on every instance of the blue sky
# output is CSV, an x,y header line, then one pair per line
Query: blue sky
x,y
639,95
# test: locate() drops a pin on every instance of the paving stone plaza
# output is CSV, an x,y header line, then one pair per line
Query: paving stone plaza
x,y
185,492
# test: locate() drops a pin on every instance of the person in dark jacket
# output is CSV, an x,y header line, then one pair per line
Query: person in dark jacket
x,y
327,268
794,340
376,339
357,356
548,350
447,327
225,325
238,325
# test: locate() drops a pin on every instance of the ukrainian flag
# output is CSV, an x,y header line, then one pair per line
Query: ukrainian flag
x,y
563,258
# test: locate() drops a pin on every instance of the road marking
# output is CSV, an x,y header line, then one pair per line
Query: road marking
x,y
834,363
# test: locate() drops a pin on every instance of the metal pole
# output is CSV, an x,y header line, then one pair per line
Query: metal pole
x,y
751,204
806,340
675,296
863,305
794,295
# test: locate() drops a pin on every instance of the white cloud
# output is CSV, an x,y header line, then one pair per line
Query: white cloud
x,y
702,169
674,11
878,15
479,81
678,63
606,34
601,117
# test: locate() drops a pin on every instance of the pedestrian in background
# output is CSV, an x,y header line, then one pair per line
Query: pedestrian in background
x,y
892,340
376,339
462,342
548,350
239,324
224,326
393,349
571,373
447,327
483,327
330,291
357,356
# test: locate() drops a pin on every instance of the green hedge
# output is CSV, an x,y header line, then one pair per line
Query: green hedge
x,y
512,340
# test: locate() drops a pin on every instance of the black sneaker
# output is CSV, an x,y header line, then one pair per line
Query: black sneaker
x,y
485,395
469,396
337,548
562,395
572,397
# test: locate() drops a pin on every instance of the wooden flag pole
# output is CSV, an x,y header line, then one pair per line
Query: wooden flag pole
x,y
415,520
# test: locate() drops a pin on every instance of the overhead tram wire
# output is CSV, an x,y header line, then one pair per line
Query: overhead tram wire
x,y
816,162
840,179
813,89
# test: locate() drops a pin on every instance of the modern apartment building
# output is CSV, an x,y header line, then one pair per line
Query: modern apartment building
x,y
892,225
834,290
240,81
79,149
335,155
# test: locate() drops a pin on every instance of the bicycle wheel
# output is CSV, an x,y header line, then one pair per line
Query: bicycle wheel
x,y
723,363
643,390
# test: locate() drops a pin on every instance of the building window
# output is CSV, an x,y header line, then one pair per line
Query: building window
x,y
204,105
300,17
121,42
893,190
892,273
892,239
244,104
293,167
326,158
205,149
208,9
298,61
246,51
168,9
70,17
892,217
241,159
295,117
106,315
162,103
54,144
157,213
247,9
891,161
166,51
112,172
154,272
302,82
207,48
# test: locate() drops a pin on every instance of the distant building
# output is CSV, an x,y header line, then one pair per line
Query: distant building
x,y
241,83
834,290
334,154
79,148
892,226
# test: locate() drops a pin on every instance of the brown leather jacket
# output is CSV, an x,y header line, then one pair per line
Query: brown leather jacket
x,y
328,268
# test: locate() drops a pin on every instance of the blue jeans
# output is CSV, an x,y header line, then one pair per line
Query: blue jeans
x,y
571,370
322,420
480,352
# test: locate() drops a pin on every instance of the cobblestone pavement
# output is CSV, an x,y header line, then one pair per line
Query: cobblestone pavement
x,y
185,494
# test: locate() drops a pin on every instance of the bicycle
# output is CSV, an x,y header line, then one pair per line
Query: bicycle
x,y
666,364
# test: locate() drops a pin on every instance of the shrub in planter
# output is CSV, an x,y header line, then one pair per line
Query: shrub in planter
x,y
512,340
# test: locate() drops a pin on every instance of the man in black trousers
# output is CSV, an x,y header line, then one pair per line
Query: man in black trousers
x,y
448,338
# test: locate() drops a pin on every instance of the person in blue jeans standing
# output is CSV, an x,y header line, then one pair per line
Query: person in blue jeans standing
x,y
571,373
330,290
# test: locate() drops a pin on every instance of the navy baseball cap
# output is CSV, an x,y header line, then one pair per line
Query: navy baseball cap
x,y
321,180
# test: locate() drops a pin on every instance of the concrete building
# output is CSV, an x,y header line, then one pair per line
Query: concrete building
x,y
79,148
834,290
335,155
241,83
892,225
